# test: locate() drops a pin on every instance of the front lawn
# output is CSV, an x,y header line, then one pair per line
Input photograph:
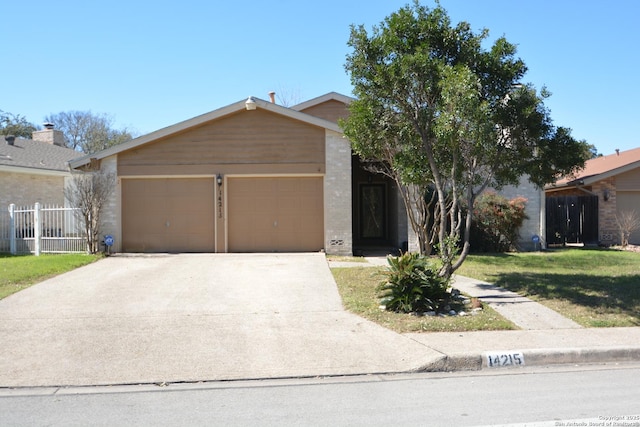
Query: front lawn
x,y
593,287
358,289
21,271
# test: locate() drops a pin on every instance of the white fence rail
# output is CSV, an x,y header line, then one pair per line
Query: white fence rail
x,y
41,229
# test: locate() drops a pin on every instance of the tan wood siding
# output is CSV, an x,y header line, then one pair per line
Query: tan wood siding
x,y
629,180
168,215
268,214
331,110
247,137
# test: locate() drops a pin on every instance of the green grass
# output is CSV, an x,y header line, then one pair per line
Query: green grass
x,y
18,272
593,287
358,288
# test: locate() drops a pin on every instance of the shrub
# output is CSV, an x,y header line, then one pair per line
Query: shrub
x,y
628,222
412,284
496,221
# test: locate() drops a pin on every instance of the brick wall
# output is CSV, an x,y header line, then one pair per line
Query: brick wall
x,y
110,222
337,195
24,189
607,227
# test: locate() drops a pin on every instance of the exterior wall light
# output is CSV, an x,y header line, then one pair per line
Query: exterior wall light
x,y
606,195
219,180
250,104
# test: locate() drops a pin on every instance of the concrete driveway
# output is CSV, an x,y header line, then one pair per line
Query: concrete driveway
x,y
192,317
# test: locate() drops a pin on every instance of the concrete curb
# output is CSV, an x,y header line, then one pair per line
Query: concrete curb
x,y
536,357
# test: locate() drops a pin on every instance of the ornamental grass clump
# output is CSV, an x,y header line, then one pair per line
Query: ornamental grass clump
x,y
412,285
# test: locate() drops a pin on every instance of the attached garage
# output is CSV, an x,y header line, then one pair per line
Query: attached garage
x,y
253,176
275,214
168,215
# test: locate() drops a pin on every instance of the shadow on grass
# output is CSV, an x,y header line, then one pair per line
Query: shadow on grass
x,y
617,294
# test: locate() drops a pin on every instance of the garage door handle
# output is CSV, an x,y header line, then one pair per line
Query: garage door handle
x,y
275,223
168,224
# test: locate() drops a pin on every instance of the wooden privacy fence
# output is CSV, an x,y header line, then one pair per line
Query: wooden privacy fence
x,y
41,229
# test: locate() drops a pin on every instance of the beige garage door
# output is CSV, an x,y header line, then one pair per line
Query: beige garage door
x,y
275,214
168,215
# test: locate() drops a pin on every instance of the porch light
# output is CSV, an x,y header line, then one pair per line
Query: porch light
x,y
219,180
250,104
606,195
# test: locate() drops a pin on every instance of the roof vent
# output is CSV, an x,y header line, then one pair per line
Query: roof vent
x,y
10,139
272,96
617,151
48,125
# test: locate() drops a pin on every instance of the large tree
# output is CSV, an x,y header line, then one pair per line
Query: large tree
x,y
446,118
16,125
88,132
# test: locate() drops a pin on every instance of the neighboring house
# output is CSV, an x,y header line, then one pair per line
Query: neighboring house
x,y
34,170
585,204
253,176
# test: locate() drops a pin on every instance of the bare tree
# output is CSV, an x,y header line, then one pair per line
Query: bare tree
x,y
288,97
90,191
628,222
88,132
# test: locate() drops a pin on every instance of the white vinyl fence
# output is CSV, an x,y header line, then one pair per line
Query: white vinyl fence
x,y
41,229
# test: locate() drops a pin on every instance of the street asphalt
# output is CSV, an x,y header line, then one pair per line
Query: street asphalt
x,y
145,319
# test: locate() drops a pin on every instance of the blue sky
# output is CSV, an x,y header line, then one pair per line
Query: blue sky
x,y
153,64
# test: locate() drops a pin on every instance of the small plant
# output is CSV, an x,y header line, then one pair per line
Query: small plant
x,y
628,222
412,284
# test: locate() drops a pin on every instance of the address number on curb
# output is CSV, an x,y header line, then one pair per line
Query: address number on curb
x,y
499,360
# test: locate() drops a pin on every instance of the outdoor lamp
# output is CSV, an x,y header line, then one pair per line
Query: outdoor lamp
x,y
219,180
250,104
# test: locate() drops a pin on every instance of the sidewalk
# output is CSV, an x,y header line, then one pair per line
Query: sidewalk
x,y
545,338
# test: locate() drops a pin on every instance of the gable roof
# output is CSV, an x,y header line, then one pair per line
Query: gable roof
x,y
602,168
331,96
27,155
204,118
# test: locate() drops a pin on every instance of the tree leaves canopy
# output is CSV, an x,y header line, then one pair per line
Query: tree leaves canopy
x,y
16,125
435,108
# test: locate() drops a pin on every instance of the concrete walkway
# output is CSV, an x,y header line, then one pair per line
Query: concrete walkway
x,y
523,312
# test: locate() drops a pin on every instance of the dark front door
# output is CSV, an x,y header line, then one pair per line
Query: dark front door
x,y
372,212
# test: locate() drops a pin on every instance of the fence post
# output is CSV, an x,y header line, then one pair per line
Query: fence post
x,y
12,229
37,228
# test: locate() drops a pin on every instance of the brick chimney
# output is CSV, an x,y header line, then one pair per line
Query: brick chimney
x,y
49,135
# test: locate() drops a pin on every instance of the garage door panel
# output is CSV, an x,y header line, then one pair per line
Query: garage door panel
x,y
275,214
168,215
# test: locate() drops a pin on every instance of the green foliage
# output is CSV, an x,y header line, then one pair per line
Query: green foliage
x,y
436,108
16,125
21,271
496,221
412,284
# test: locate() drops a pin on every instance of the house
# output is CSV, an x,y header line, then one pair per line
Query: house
x,y
253,176
590,200
34,170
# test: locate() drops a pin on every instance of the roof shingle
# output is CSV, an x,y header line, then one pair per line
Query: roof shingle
x,y
27,153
